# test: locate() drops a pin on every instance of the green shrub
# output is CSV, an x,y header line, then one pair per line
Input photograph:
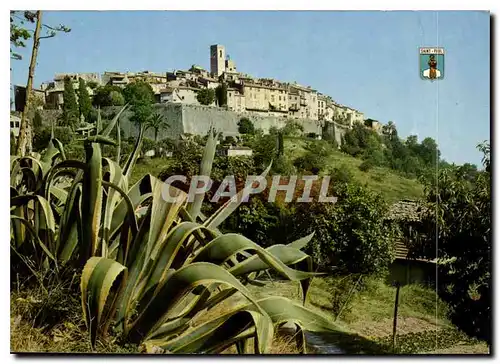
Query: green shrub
x,y
245,126
342,174
351,234
42,136
366,166
309,162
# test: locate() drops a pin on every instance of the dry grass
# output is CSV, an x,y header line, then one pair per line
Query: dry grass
x,y
51,322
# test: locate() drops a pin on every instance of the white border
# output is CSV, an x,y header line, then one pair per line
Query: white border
x,y
197,5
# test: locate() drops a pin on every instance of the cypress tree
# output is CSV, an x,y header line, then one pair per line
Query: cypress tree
x,y
221,93
84,100
70,106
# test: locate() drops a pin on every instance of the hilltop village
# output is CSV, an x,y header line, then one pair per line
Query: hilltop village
x,y
245,94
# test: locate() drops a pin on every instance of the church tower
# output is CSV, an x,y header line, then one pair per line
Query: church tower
x,y
217,59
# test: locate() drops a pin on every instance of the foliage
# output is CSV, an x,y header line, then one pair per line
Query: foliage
x,y
352,235
140,96
426,341
186,161
221,94
147,145
20,33
264,149
245,126
284,166
84,99
357,140
37,120
43,136
314,159
108,95
205,96
459,215
259,220
157,122
342,174
366,166
70,106
292,129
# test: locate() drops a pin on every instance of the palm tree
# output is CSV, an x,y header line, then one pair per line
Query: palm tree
x,y
157,122
389,129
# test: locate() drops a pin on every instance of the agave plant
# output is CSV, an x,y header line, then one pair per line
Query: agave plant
x,y
47,212
150,266
165,265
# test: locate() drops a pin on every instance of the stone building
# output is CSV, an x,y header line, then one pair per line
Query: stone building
x,y
265,96
235,100
179,94
304,102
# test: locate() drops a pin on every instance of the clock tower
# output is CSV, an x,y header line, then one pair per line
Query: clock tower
x,y
217,59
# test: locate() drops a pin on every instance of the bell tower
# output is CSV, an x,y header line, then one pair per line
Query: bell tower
x,y
217,59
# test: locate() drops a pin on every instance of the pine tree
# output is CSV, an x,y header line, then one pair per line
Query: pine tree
x,y
70,106
84,100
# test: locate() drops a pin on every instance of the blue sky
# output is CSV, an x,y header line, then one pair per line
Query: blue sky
x,y
366,60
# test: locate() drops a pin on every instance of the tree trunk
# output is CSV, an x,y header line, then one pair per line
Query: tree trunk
x,y
25,140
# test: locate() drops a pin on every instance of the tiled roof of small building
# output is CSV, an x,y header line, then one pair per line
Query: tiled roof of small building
x,y
405,210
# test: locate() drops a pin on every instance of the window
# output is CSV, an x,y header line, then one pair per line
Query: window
x,y
11,124
279,98
220,53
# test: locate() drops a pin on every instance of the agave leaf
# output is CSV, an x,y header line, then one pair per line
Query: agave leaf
x,y
131,215
46,208
115,176
100,140
129,165
223,247
59,193
218,334
98,277
138,193
231,205
302,242
29,179
98,125
34,235
61,168
282,310
91,201
49,154
205,170
60,148
106,132
162,258
177,286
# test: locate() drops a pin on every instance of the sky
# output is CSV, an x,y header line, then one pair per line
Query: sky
x,y
365,60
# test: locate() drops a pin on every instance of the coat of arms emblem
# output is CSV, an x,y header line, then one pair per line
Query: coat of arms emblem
x,y
432,63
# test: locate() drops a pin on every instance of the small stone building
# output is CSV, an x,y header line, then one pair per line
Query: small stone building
x,y
404,269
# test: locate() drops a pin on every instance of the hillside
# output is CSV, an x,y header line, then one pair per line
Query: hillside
x,y
381,180
392,186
